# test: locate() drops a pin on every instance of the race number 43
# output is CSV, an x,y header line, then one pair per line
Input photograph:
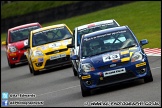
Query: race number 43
x,y
111,57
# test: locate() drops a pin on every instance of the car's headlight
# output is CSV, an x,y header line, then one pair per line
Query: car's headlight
x,y
136,57
87,67
12,49
37,53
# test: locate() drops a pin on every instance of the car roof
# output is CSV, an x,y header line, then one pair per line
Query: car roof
x,y
24,25
105,31
48,27
97,23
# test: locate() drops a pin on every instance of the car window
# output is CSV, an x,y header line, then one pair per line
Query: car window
x,y
73,38
50,35
107,42
93,29
121,38
21,34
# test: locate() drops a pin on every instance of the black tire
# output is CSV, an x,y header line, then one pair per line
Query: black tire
x,y
10,65
148,78
30,68
85,92
74,71
34,72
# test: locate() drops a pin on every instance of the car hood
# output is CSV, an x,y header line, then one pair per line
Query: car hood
x,y
20,44
114,57
53,46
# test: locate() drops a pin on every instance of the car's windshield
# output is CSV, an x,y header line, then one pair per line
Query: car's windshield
x,y
50,35
94,28
107,42
21,34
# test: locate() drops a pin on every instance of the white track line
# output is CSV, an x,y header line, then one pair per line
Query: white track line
x,y
155,68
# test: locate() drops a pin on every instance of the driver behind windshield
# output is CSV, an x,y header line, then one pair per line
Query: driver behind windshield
x,y
95,47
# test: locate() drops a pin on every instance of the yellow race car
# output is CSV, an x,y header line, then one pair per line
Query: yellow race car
x,y
47,47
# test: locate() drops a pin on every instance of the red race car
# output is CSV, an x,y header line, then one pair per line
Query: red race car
x,y
16,39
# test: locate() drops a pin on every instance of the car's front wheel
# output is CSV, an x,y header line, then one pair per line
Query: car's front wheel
x,y
34,72
10,65
74,71
148,78
30,68
85,92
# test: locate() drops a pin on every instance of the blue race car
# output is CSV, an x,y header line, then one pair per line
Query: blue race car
x,y
109,57
85,29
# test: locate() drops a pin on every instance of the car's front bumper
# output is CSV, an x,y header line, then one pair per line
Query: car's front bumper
x,y
16,57
44,62
96,79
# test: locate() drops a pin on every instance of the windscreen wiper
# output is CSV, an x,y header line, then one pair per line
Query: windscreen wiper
x,y
129,46
66,38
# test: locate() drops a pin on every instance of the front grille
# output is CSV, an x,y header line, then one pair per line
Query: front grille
x,y
108,66
56,51
57,61
116,78
23,48
23,57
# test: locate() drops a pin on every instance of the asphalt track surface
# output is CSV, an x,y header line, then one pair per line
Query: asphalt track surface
x,y
59,88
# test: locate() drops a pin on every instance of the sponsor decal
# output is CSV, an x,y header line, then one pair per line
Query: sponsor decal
x,y
66,42
40,59
115,60
44,47
114,72
53,45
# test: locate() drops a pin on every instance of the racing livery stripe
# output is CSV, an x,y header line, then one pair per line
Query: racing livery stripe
x,y
125,59
124,52
131,54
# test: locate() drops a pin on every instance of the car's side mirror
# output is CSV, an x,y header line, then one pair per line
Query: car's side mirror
x,y
3,43
144,42
70,46
74,57
26,47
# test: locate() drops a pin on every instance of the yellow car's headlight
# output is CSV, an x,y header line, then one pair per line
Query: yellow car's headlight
x,y
37,53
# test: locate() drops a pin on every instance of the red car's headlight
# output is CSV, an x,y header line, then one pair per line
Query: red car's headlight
x,y
12,49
